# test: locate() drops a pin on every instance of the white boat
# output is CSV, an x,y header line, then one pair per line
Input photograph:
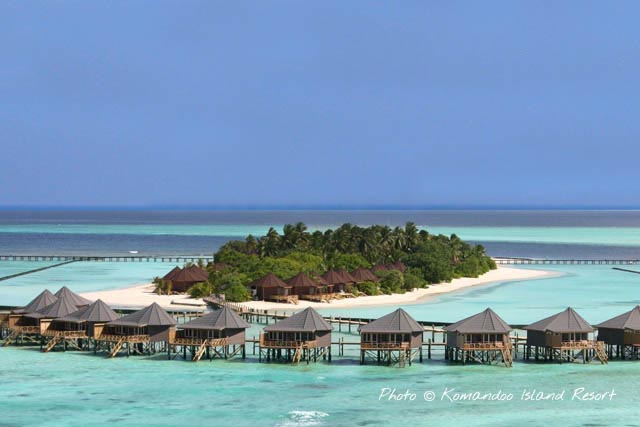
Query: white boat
x,y
133,252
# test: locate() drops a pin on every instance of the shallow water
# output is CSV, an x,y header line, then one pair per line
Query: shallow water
x,y
73,389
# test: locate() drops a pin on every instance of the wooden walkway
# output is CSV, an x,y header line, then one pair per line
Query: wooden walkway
x,y
11,276
532,261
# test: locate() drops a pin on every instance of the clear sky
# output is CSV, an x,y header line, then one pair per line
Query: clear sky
x,y
238,103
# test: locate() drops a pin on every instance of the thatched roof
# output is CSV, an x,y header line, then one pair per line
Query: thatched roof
x,y
333,277
270,281
97,312
43,299
398,321
348,278
629,321
398,265
302,280
169,276
364,275
564,322
379,267
308,320
61,307
224,318
486,321
153,315
318,278
72,297
191,274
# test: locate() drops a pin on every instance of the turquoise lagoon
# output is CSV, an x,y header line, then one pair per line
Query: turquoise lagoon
x,y
79,276
74,389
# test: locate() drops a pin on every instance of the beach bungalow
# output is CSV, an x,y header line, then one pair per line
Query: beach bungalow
x,y
363,275
271,288
308,289
340,283
219,333
394,338
483,338
169,276
80,327
305,336
182,280
141,332
564,337
24,328
622,334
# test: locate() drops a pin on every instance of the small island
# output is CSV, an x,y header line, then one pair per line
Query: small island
x,y
347,262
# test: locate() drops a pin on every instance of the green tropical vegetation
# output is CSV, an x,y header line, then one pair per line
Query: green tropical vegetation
x,y
428,258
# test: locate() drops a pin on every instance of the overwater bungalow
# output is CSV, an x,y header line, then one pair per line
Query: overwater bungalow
x,y
364,275
79,328
271,288
564,337
394,338
621,335
482,338
305,336
182,280
340,283
308,289
220,333
144,331
27,329
60,308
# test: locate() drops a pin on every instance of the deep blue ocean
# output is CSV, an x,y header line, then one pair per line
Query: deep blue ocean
x,y
536,234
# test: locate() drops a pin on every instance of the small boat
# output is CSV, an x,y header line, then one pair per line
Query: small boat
x,y
133,252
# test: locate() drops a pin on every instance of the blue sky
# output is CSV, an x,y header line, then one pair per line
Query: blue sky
x,y
319,103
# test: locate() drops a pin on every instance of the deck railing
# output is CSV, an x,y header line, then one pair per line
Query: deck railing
x,y
65,334
579,344
385,346
210,342
128,338
264,342
493,345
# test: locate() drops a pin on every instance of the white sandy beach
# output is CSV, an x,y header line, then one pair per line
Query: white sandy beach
x,y
142,295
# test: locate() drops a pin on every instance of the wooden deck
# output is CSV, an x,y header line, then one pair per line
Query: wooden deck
x,y
385,346
264,343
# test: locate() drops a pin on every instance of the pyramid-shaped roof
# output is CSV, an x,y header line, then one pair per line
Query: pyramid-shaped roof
x,y
348,278
333,277
72,297
486,321
270,280
152,315
224,318
629,320
169,276
308,320
318,278
364,275
191,274
565,321
60,308
398,321
43,299
97,312
301,279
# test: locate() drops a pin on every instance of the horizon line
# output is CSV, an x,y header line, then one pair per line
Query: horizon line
x,y
327,207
